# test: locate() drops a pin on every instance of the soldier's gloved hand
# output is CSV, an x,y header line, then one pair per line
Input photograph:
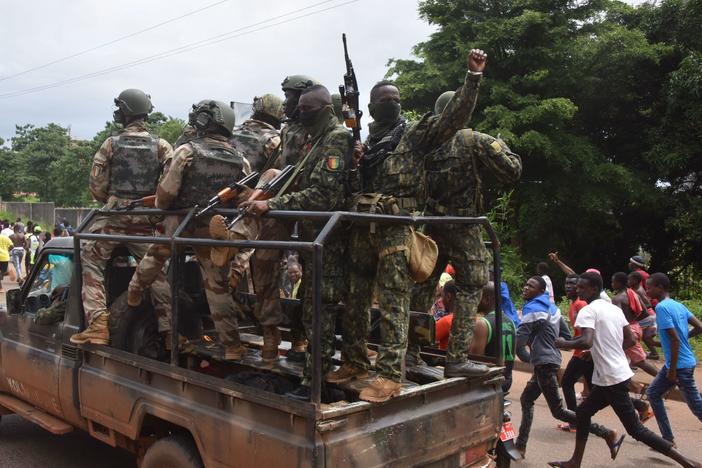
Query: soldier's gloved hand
x,y
255,208
477,59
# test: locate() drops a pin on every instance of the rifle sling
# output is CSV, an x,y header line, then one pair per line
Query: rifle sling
x,y
297,170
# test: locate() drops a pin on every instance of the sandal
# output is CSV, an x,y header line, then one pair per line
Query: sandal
x,y
566,427
614,448
558,464
646,416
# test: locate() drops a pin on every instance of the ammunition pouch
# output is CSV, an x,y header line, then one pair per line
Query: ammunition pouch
x,y
422,254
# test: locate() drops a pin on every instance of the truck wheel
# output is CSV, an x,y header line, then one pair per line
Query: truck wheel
x,y
175,451
133,329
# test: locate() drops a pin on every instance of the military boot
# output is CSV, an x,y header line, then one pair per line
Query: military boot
x,y
220,256
96,333
346,373
271,341
134,297
380,390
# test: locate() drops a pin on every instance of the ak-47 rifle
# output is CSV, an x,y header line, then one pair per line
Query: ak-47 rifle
x,y
229,193
148,201
267,191
350,96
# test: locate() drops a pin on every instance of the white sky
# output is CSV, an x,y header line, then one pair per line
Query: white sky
x,y
33,33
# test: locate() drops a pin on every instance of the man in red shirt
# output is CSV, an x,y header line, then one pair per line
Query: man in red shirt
x,y
580,365
443,325
637,263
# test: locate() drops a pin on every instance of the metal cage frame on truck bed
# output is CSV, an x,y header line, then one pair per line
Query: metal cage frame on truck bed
x,y
331,220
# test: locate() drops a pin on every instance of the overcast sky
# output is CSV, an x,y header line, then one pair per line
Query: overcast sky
x,y
35,33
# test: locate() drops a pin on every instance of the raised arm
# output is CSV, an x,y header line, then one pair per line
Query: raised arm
x,y
553,256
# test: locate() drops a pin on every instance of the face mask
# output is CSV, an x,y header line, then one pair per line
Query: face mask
x,y
387,111
118,116
315,121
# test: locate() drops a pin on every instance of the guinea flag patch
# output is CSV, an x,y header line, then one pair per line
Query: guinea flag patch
x,y
333,163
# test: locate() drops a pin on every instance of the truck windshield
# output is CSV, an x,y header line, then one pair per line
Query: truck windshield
x,y
55,273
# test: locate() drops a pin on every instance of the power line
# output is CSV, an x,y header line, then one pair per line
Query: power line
x,y
113,41
186,48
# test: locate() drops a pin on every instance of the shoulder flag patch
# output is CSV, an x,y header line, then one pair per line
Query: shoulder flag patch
x,y
333,163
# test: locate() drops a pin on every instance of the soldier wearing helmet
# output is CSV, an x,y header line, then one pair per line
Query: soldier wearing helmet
x,y
126,167
259,138
204,163
294,136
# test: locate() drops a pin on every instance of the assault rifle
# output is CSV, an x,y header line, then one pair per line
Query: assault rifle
x,y
267,191
349,96
229,193
148,201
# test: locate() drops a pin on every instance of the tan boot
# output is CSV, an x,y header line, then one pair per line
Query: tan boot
x,y
346,373
134,297
234,352
380,390
96,333
220,256
271,341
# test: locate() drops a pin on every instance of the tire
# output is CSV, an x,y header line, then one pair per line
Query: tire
x,y
134,329
175,451
502,458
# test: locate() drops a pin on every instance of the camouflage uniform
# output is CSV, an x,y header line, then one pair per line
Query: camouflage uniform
x,y
386,266
453,175
258,141
321,186
176,191
294,139
109,183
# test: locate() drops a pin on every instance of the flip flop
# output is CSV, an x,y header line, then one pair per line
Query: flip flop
x,y
565,427
558,464
614,449
647,416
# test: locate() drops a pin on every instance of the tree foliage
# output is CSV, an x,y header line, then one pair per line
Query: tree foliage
x,y
45,162
602,100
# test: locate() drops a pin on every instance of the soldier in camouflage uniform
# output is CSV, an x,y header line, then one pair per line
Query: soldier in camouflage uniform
x,y
321,186
203,163
385,133
379,253
258,138
126,167
454,174
293,136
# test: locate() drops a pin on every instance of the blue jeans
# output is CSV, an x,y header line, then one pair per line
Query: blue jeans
x,y
661,384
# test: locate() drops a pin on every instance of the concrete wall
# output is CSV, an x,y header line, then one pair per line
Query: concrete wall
x,y
37,212
73,215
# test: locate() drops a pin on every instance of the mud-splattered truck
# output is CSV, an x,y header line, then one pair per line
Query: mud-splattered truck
x,y
189,408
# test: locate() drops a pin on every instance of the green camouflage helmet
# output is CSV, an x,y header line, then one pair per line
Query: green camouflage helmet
x,y
269,104
220,113
442,101
133,102
298,82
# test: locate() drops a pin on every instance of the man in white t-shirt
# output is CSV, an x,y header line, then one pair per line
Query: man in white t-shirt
x,y
542,271
606,333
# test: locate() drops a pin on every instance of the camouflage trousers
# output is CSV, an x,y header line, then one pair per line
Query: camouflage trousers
x,y
216,279
96,254
370,266
463,246
334,291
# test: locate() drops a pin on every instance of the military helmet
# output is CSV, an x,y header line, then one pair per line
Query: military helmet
x,y
442,101
219,112
269,104
133,102
298,82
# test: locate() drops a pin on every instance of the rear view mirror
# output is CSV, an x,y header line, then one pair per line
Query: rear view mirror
x,y
13,301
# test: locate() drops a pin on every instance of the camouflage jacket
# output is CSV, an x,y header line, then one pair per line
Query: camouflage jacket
x,y
258,141
101,169
454,172
293,137
400,173
375,150
172,180
321,184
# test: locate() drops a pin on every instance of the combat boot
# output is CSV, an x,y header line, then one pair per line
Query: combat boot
x,y
134,297
271,341
220,256
297,351
464,369
234,352
346,373
380,390
96,333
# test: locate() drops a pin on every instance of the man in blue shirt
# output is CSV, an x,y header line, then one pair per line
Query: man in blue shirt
x,y
672,319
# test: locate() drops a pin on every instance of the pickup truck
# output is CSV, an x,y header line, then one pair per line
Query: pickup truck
x,y
197,410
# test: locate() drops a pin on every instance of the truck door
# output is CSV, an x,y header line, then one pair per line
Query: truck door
x,y
32,346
